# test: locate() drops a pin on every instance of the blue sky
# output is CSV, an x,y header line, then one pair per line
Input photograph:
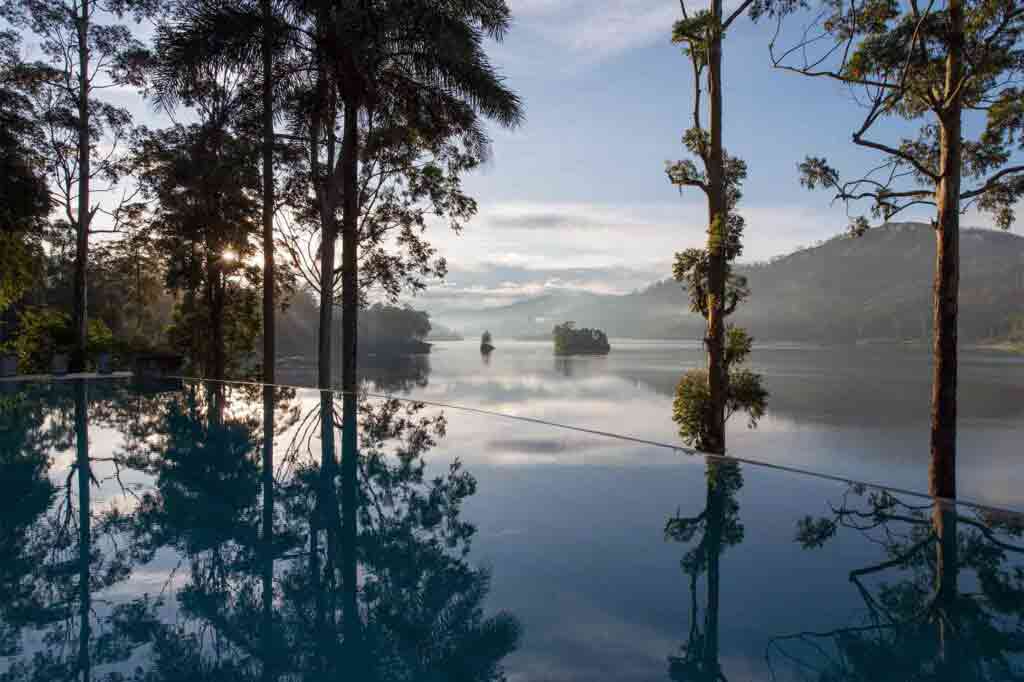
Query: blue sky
x,y
577,197
580,189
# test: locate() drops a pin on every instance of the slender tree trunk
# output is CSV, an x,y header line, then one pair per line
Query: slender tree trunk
x,y
84,529
327,241
214,293
715,339
349,382
269,648
942,470
269,332
80,315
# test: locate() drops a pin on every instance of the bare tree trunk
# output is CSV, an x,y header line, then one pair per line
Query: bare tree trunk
x,y
942,470
349,381
328,236
214,360
84,529
80,315
715,339
269,332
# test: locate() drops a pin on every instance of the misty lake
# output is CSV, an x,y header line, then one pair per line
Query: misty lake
x,y
858,412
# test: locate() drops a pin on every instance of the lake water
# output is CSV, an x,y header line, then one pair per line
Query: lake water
x,y
858,412
146,532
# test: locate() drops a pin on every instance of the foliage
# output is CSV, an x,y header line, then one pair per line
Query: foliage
x,y
24,195
745,392
44,331
204,181
914,617
896,55
383,325
20,260
570,341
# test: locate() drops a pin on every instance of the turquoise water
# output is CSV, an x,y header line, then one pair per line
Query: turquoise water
x,y
149,533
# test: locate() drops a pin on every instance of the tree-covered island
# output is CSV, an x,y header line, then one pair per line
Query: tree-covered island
x,y
572,341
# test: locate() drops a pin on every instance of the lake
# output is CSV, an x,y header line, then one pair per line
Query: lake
x,y
858,412
148,534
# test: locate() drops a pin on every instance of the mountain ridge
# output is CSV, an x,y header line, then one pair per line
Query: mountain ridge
x,y
843,290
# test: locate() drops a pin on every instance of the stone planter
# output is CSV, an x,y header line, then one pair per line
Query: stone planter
x,y
104,363
59,364
8,365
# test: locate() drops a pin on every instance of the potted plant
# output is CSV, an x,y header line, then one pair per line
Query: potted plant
x,y
101,346
60,360
62,340
8,359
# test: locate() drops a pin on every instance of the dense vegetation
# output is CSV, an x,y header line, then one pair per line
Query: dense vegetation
x,y
572,341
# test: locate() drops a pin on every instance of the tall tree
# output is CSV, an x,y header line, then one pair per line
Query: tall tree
x,y
87,56
714,290
24,195
414,73
939,65
397,80
204,180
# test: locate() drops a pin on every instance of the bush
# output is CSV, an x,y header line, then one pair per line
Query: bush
x,y
43,332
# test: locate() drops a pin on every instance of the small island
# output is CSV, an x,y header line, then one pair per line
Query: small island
x,y
485,343
572,341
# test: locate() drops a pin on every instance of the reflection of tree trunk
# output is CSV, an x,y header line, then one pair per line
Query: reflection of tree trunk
x,y
215,403
270,661
327,519
349,509
715,520
84,527
947,620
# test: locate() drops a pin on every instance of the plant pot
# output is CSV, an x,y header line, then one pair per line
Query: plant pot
x,y
104,364
59,364
8,365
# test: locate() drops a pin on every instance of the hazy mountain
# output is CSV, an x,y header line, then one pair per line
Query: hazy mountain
x,y
845,289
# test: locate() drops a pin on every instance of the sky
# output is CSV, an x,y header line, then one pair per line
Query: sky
x,y
578,198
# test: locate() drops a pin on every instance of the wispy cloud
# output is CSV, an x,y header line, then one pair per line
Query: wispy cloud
x,y
589,32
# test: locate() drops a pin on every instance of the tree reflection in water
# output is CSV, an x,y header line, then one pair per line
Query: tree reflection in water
x,y
253,540
941,605
716,528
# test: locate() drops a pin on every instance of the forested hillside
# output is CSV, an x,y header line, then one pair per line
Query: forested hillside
x,y
847,289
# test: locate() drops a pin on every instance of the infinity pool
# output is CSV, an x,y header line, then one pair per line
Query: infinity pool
x,y
186,531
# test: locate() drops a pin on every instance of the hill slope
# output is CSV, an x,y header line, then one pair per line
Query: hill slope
x,y
846,289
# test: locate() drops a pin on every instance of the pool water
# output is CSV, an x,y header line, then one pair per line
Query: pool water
x,y
179,530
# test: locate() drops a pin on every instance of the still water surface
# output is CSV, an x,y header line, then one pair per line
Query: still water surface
x,y
858,412
148,533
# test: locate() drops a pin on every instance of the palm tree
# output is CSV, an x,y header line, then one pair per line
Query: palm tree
x,y
419,66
